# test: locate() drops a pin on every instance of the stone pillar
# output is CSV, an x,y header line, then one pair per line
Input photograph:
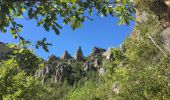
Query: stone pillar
x,y
79,55
65,56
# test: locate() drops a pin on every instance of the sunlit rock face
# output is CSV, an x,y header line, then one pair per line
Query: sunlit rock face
x,y
79,55
108,54
102,71
116,88
167,2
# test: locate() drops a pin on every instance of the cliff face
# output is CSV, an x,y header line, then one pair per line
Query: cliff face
x,y
157,13
57,69
159,8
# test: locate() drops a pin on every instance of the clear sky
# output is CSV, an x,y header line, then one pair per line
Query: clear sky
x,y
102,32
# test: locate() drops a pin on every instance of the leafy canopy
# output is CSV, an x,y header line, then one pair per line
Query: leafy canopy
x,y
47,12
15,83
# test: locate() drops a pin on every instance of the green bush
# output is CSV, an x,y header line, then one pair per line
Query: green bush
x,y
15,84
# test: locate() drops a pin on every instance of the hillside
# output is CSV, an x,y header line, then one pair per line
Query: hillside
x,y
138,70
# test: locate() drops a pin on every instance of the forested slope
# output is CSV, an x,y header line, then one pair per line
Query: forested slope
x,y
138,70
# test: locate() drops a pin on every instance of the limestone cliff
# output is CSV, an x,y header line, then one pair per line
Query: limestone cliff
x,y
57,69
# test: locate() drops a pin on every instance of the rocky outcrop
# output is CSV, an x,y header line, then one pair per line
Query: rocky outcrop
x,y
158,11
115,88
89,65
102,71
57,69
161,8
79,55
56,72
52,58
65,56
108,54
61,71
97,51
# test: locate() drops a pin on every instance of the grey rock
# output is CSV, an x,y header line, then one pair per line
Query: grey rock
x,y
101,71
166,39
88,65
108,54
62,71
56,74
116,88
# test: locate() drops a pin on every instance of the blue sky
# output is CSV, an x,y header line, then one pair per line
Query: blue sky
x,y
102,32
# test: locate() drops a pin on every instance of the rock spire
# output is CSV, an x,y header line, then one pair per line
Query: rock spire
x,y
65,56
79,55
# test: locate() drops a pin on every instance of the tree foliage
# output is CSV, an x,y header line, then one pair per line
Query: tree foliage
x,y
15,83
47,14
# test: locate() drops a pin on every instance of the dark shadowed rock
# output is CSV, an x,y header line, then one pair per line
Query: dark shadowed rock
x,y
52,58
97,62
79,55
97,50
65,56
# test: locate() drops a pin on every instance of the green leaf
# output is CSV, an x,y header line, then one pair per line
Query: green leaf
x,y
56,30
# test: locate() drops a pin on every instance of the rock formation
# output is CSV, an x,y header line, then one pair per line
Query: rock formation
x,y
61,71
52,58
88,65
56,69
96,51
79,55
101,71
65,56
160,10
108,54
